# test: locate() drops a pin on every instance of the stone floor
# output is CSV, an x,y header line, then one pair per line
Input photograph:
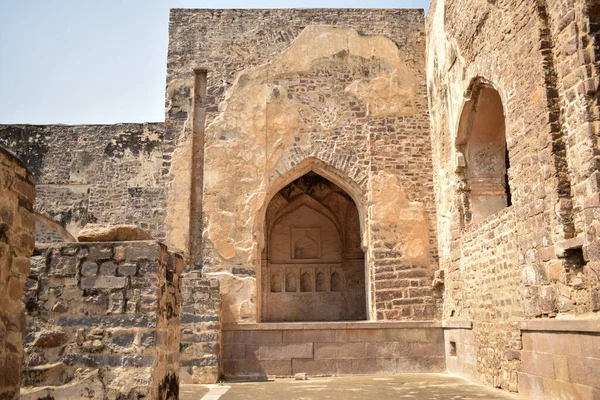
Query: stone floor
x,y
405,386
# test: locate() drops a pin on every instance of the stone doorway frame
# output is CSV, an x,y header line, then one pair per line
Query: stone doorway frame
x,y
336,177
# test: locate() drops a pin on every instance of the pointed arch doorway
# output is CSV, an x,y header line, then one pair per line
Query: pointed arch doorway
x,y
313,266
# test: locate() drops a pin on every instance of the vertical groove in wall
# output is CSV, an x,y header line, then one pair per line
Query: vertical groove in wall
x,y
195,245
555,119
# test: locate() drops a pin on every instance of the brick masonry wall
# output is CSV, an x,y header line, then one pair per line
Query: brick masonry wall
x,y
319,349
110,307
16,245
94,173
526,261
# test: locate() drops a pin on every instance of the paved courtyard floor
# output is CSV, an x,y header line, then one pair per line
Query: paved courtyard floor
x,y
404,386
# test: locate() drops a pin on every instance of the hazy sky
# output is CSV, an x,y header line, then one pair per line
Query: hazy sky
x,y
103,61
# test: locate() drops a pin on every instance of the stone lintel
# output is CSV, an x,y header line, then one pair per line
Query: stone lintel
x,y
332,325
457,324
557,325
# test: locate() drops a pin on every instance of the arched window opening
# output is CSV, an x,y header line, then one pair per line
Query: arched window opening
x,y
336,282
321,283
313,228
275,282
482,142
290,283
305,282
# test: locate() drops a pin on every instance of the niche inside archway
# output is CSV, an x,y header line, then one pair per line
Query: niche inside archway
x,y
482,140
313,264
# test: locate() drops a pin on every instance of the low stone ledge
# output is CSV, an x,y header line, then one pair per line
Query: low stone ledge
x,y
457,324
269,326
558,325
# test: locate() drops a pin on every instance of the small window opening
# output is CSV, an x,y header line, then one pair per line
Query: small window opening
x,y
305,282
574,259
452,349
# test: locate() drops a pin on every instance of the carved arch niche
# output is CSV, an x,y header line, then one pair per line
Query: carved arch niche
x,y
483,160
313,264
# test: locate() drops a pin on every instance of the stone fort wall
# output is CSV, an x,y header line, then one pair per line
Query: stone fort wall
x,y
535,260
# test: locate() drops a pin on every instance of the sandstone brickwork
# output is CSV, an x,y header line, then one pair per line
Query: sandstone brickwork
x,y
17,194
103,319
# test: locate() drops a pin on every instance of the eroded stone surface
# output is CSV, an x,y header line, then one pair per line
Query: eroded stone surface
x,y
112,233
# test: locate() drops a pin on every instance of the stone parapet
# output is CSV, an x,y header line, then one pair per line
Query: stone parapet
x,y
331,349
113,307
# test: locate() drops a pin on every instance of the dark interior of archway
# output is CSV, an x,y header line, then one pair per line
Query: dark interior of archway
x,y
313,264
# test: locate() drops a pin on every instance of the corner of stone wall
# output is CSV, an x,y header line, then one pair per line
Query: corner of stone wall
x,y
17,194
200,349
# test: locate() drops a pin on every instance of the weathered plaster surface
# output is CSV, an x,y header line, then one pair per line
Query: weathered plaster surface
x,y
264,118
402,223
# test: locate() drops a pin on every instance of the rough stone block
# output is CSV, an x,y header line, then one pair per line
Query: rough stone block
x,y
112,233
254,368
584,371
89,268
63,265
306,336
561,368
108,268
103,282
146,251
285,351
540,364
531,386
315,367
554,389
50,339
339,350
128,269
387,349
234,352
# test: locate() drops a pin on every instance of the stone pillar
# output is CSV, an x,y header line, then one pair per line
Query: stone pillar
x,y
200,358
17,194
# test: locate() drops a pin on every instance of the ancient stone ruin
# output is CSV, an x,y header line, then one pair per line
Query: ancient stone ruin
x,y
333,191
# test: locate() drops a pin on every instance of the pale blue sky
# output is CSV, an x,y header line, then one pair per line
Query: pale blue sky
x,y
103,61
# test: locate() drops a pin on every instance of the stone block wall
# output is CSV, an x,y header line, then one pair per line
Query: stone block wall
x,y
108,174
535,258
17,195
259,351
200,358
103,318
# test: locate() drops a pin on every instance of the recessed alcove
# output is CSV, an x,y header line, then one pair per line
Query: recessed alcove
x,y
482,140
313,250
